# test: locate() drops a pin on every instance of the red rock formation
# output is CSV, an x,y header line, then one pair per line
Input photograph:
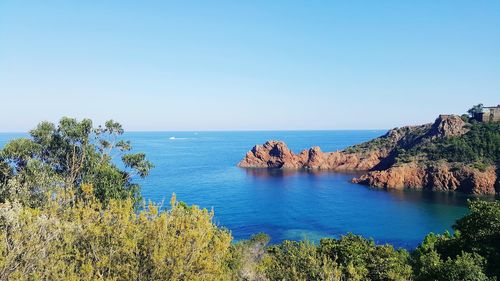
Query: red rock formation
x,y
272,154
379,157
448,126
275,154
441,177
394,177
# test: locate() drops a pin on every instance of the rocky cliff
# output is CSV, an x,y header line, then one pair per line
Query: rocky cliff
x,y
442,176
275,154
403,158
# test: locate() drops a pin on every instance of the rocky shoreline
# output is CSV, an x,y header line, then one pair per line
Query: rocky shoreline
x,y
381,161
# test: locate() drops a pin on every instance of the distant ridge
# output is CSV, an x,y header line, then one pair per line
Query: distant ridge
x,y
427,156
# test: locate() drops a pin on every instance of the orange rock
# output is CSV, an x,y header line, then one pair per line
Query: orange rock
x,y
441,177
378,156
275,154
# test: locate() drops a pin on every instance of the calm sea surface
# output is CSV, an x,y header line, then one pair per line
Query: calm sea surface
x,y
200,167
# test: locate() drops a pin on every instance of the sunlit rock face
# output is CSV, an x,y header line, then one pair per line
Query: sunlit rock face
x,y
380,159
276,154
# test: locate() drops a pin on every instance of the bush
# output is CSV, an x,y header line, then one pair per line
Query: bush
x,y
464,267
476,244
480,233
374,262
67,156
247,256
68,213
480,144
91,241
292,260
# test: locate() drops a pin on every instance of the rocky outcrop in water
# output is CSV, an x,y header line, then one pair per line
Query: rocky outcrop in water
x,y
386,161
276,154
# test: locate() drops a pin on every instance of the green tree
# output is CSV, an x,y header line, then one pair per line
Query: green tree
x,y
480,233
292,260
93,241
247,256
361,258
71,154
464,267
475,110
475,244
479,146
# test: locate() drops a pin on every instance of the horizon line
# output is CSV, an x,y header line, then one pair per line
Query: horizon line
x,y
224,130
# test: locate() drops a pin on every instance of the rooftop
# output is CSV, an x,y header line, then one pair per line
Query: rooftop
x,y
498,106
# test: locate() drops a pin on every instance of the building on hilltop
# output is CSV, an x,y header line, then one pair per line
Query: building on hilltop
x,y
489,114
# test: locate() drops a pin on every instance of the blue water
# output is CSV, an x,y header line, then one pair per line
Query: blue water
x,y
200,167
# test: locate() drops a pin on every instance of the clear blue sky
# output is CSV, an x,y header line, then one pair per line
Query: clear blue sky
x,y
243,65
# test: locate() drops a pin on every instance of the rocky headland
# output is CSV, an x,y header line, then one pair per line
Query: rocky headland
x,y
446,155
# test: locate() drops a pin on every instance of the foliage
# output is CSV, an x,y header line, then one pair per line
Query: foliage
x,y
397,138
480,233
475,110
292,260
351,257
361,259
247,256
471,253
464,267
67,155
92,241
376,143
475,245
465,117
67,212
479,146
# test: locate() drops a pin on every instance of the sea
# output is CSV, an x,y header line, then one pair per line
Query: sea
x,y
201,169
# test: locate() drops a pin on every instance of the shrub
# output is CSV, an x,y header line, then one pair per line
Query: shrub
x,y
66,156
292,260
90,241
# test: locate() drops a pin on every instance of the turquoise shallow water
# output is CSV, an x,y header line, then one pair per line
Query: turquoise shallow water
x,y
200,167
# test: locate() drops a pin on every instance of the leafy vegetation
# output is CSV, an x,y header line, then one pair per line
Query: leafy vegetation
x,y
376,143
93,241
472,253
67,212
360,259
65,157
475,110
479,146
398,138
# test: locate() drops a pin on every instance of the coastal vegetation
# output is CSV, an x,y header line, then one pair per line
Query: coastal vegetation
x,y
477,143
480,144
70,209
66,156
455,153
